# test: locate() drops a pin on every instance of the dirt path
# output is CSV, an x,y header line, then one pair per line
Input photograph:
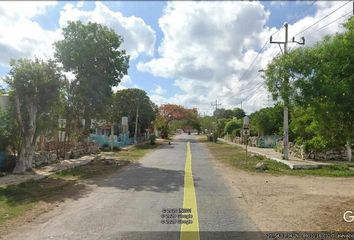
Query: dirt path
x,y
292,203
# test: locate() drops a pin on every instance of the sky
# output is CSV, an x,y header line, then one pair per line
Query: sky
x,y
183,52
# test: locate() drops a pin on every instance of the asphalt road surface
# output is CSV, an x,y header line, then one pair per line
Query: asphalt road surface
x,y
175,192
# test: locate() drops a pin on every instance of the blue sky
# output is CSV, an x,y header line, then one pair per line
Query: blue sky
x,y
205,47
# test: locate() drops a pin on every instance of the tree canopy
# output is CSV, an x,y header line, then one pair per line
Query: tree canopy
x,y
229,113
267,121
125,103
35,86
321,81
92,52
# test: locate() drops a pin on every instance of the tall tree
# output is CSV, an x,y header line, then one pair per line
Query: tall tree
x,y
267,121
93,53
239,113
184,118
126,102
322,77
35,87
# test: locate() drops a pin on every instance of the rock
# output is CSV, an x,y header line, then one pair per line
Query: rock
x,y
261,166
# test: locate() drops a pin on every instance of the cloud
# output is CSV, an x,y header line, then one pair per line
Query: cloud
x,y
208,46
138,36
159,90
20,36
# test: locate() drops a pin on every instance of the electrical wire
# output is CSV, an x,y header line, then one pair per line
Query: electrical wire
x,y
330,23
258,54
322,18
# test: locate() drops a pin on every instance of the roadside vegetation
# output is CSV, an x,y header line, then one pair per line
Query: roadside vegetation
x,y
316,83
236,157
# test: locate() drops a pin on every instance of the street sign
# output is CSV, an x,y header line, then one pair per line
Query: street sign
x,y
62,122
246,132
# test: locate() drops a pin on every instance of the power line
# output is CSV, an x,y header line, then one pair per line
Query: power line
x,y
216,105
322,19
331,22
255,87
260,52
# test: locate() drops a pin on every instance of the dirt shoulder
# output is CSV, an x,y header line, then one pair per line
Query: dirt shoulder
x,y
292,203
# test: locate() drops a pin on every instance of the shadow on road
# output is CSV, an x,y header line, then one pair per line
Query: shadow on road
x,y
47,190
141,178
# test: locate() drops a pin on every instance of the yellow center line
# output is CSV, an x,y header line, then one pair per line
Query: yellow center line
x,y
190,231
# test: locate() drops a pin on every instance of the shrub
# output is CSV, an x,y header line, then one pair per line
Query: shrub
x,y
152,139
233,125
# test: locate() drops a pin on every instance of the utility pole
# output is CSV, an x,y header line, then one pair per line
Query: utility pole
x,y
216,106
215,137
136,123
286,88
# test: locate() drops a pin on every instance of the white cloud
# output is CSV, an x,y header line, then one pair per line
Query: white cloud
x,y
20,36
159,90
138,36
278,3
207,46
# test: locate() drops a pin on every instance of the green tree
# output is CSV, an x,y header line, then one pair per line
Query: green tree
x,y
239,113
267,121
125,103
223,113
321,77
92,52
220,126
35,87
232,125
9,131
190,121
207,123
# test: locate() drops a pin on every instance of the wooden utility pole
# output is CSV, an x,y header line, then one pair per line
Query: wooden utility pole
x,y
216,106
136,124
286,86
215,137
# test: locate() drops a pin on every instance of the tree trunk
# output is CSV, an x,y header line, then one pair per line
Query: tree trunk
x,y
24,161
349,151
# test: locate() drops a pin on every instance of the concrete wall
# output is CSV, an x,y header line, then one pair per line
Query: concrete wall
x,y
4,102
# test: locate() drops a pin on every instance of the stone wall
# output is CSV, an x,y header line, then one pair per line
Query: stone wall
x,y
298,151
48,157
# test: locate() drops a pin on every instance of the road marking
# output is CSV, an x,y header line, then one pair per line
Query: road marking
x,y
190,231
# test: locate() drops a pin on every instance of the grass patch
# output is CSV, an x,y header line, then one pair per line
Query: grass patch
x,y
236,157
92,169
15,200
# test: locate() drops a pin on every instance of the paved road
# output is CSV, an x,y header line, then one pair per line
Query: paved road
x,y
129,204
